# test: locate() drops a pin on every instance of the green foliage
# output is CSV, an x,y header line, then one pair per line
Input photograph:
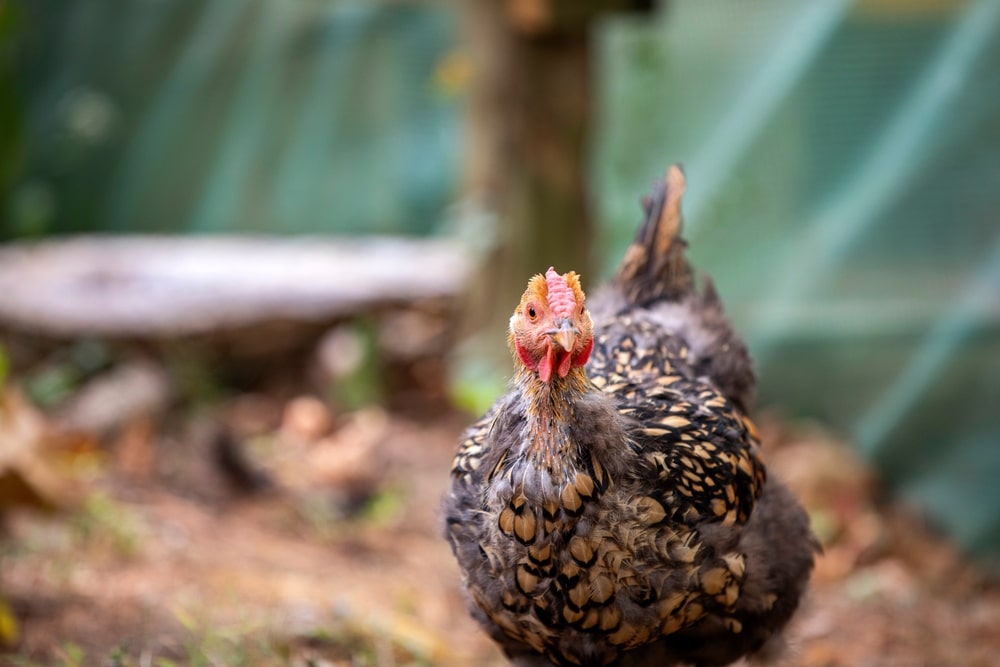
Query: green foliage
x,y
11,129
357,382
476,382
241,645
54,381
104,521
74,655
52,384
252,644
196,378
4,365
384,507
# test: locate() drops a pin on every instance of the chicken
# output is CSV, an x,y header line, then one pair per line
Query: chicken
x,y
613,507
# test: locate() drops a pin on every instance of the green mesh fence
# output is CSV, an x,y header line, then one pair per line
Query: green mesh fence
x,y
235,116
843,161
844,169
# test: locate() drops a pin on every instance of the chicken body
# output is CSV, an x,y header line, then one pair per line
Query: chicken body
x,y
613,507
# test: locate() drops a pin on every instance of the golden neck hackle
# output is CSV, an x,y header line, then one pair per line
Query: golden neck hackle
x,y
549,411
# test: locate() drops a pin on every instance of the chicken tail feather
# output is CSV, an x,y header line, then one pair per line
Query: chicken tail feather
x,y
654,267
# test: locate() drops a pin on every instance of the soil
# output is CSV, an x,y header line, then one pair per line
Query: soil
x,y
331,555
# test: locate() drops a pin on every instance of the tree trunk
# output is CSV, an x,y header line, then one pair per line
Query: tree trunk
x,y
529,126
528,131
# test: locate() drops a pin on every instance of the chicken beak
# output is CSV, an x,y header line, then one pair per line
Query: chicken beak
x,y
565,334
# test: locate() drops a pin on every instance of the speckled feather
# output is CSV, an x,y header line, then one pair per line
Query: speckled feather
x,y
622,514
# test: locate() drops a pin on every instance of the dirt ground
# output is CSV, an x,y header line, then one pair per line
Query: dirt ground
x,y
321,546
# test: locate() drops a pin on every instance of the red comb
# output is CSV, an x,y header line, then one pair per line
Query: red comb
x,y
561,299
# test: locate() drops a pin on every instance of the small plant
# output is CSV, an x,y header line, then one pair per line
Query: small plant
x,y
72,655
119,657
248,643
104,519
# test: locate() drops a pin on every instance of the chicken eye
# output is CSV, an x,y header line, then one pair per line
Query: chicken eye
x,y
531,313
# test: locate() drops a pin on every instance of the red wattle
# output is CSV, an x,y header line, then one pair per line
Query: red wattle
x,y
565,359
525,357
580,358
552,362
546,363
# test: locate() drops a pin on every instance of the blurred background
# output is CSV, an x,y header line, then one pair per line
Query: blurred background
x,y
258,258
